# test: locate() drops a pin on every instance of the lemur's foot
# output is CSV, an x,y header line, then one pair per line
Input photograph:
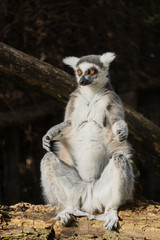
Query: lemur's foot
x,y
111,221
110,218
66,215
56,133
119,159
120,130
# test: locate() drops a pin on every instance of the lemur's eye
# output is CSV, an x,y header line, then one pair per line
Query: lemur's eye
x,y
79,72
92,71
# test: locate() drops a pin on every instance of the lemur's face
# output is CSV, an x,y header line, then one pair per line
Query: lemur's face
x,y
87,73
91,69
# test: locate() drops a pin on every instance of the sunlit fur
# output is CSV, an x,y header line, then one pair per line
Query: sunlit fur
x,y
90,171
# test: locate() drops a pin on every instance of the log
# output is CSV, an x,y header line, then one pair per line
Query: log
x,y
140,220
24,69
145,139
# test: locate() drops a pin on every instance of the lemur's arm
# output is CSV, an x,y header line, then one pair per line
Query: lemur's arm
x,y
115,114
55,133
61,130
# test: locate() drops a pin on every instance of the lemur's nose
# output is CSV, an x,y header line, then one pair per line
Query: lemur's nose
x,y
83,81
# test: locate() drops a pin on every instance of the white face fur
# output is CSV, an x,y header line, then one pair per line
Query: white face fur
x,y
91,69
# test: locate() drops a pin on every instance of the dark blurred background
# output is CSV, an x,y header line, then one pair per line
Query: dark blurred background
x,y
50,30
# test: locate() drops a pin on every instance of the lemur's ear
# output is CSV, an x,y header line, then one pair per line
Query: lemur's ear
x,y
71,61
107,58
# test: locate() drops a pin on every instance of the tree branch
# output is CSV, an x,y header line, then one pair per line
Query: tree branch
x,y
26,69
145,139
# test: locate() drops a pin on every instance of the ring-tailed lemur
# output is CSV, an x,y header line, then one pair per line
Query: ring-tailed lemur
x,y
90,170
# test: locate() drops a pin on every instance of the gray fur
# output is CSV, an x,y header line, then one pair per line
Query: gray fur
x,y
95,59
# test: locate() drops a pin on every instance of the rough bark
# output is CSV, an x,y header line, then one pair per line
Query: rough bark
x,y
144,137
140,220
24,69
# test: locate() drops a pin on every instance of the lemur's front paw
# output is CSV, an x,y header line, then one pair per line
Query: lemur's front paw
x,y
46,142
55,134
120,130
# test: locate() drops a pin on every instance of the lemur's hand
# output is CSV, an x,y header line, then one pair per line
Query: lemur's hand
x,y
56,133
120,130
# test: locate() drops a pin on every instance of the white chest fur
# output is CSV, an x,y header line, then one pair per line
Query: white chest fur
x,y
89,107
88,146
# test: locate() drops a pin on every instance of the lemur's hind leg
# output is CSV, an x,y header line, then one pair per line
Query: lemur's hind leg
x,y
56,133
119,177
62,183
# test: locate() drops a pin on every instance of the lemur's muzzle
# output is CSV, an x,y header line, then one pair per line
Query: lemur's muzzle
x,y
83,81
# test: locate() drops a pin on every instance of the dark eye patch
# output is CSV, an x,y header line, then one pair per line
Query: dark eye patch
x,y
79,72
92,71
